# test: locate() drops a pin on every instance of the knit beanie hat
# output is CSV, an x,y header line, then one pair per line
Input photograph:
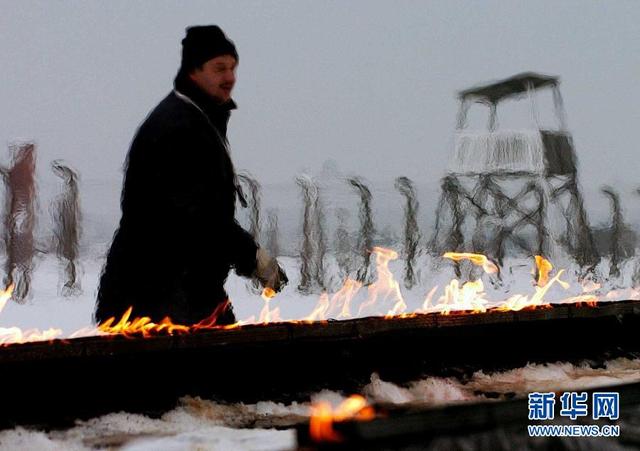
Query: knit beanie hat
x,y
203,43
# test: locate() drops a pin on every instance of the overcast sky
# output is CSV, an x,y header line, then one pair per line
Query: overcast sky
x,y
369,84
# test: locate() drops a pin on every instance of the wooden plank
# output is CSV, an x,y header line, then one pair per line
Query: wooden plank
x,y
287,361
360,328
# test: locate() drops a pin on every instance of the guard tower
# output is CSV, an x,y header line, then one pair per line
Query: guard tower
x,y
508,189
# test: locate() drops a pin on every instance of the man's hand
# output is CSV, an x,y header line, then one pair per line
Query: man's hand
x,y
268,272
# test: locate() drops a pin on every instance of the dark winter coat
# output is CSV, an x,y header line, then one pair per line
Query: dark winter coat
x,y
178,237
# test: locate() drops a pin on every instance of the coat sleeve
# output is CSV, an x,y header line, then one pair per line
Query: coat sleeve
x,y
245,258
198,187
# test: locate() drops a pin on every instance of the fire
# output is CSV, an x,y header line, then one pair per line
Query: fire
x,y
426,306
386,284
140,326
5,295
143,326
590,286
544,267
477,259
518,302
469,296
384,294
320,311
341,301
267,315
9,335
323,417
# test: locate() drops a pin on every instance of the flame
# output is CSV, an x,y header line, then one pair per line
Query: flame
x,y
140,326
5,295
344,296
544,267
426,305
10,335
589,286
267,315
518,302
88,331
210,321
321,423
323,417
143,326
341,300
320,311
477,259
469,297
386,285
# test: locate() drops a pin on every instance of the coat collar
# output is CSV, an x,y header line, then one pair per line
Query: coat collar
x,y
218,114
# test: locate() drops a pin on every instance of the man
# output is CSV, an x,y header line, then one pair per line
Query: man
x,y
178,237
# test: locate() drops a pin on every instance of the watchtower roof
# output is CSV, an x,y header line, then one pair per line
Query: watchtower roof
x,y
512,86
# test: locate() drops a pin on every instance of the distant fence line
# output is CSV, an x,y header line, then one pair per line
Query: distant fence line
x,y
351,251
19,220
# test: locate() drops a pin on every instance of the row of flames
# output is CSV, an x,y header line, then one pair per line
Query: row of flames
x,y
462,298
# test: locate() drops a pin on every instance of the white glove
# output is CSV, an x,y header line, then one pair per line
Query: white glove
x,y
268,272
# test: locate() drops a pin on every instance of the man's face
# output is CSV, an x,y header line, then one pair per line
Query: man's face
x,y
216,77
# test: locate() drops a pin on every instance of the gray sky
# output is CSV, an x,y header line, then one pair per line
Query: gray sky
x,y
369,84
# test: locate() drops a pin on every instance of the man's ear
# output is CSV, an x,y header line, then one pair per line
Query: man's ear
x,y
192,74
